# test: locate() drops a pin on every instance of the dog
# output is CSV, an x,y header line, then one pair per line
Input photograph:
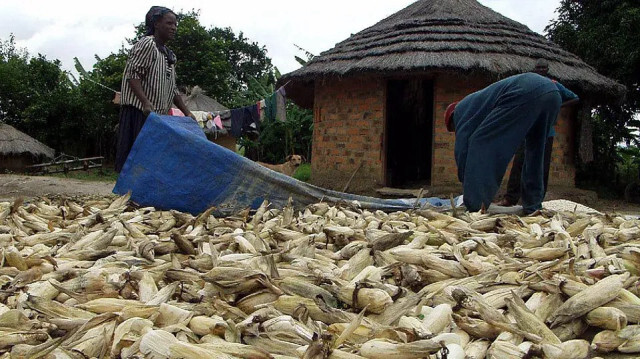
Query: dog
x,y
288,168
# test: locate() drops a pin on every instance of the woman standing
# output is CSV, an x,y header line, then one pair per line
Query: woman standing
x,y
149,80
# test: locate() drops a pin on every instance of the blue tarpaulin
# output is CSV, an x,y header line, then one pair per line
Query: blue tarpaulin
x,y
172,165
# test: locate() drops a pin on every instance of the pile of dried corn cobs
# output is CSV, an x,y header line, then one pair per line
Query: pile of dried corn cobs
x,y
99,279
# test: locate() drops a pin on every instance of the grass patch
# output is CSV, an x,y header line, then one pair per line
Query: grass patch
x,y
303,173
96,174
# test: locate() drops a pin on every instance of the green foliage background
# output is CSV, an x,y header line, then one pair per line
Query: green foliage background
x,y
604,33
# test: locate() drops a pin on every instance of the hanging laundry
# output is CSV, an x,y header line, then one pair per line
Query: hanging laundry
x,y
218,122
262,104
270,107
259,109
251,117
210,125
175,112
201,117
242,120
281,105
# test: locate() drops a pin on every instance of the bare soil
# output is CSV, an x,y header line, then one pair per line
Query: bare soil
x,y
14,186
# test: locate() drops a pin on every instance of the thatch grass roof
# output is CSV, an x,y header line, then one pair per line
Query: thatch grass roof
x,y
198,101
14,142
450,35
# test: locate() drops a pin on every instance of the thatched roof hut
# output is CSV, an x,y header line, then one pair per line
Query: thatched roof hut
x,y
14,142
379,97
447,35
198,101
18,150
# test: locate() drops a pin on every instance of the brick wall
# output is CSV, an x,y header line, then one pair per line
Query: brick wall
x,y
348,122
563,170
448,88
349,119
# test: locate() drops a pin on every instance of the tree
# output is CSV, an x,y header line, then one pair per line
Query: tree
x,y
247,61
14,92
36,96
100,114
604,34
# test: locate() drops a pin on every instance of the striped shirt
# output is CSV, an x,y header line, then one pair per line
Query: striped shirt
x,y
158,78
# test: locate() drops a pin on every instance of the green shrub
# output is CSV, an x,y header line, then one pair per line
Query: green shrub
x,y
303,173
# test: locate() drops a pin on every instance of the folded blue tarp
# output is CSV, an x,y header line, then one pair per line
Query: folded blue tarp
x,y
172,165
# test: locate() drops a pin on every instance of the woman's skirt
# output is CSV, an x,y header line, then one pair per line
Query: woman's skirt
x,y
131,122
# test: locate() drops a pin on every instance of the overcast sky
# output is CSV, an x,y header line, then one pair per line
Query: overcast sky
x,y
66,29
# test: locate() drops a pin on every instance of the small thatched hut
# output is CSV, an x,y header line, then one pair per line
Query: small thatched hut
x,y
198,101
18,150
379,96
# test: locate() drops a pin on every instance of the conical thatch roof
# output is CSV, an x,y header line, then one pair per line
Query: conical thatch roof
x,y
450,35
198,101
14,142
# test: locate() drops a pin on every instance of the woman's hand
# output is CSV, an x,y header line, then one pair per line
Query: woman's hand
x,y
147,108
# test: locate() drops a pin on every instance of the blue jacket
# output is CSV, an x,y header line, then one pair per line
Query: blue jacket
x,y
511,92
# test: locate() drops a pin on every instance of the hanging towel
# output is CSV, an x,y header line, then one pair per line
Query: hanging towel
x,y
281,105
262,105
270,107
236,122
201,117
218,122
252,120
259,109
209,125
242,119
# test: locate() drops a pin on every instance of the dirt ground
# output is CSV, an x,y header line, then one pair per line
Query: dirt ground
x,y
14,186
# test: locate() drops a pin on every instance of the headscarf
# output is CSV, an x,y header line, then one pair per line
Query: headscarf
x,y
448,117
155,13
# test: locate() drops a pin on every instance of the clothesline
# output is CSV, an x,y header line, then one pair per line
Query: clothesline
x,y
247,119
215,113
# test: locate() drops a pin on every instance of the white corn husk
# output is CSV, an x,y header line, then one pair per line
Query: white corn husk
x,y
607,318
572,349
438,319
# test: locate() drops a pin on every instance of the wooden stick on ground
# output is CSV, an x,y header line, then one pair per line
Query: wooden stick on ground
x,y
351,179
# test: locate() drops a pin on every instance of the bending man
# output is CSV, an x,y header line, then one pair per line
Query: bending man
x,y
512,197
490,125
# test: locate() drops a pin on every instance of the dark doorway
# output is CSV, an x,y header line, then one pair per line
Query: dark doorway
x,y
409,130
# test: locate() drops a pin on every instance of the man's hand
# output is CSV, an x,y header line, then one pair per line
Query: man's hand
x,y
146,109
192,116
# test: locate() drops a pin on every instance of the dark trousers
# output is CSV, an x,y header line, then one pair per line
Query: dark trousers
x,y
131,121
514,186
495,141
